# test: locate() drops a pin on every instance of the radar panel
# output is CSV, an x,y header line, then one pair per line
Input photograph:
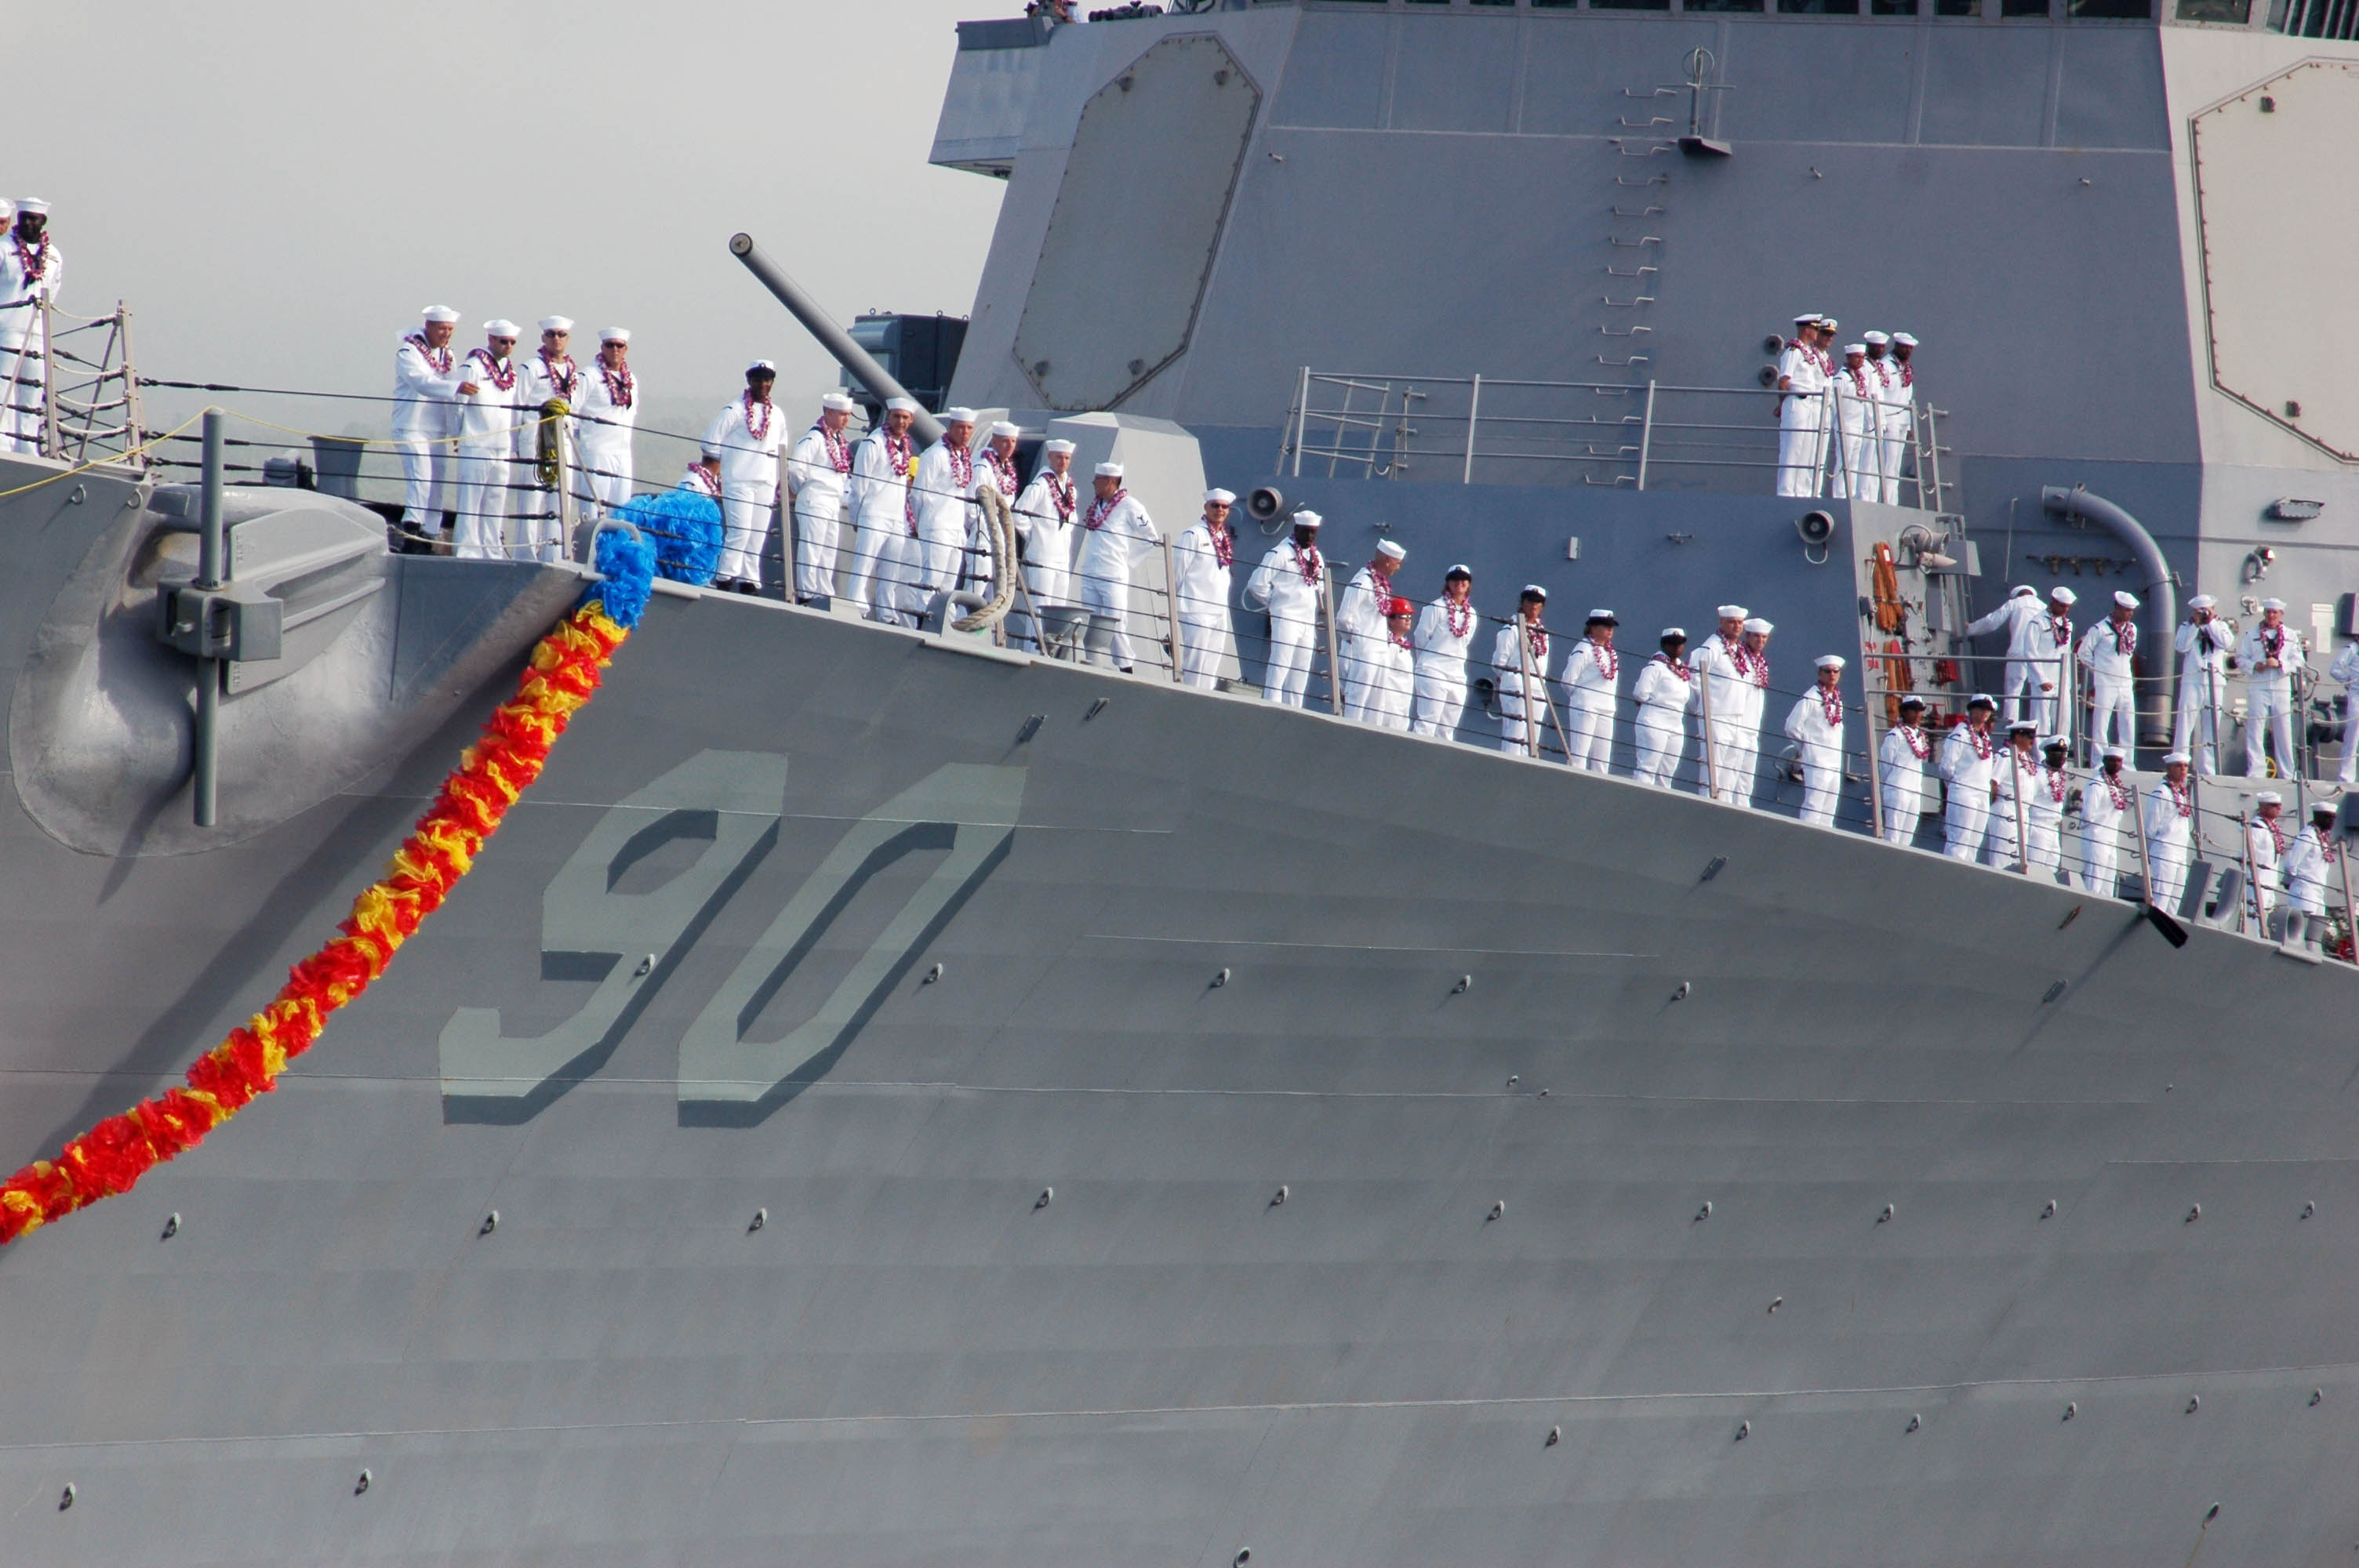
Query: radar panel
x,y
1138,221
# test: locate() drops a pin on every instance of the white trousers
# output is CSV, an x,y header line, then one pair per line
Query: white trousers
x,y
1998,843
1732,765
2100,862
744,525
1359,678
1290,660
862,547
1203,640
538,527
22,390
1589,736
2017,683
1821,786
2045,842
1966,821
2349,773
2268,706
2202,697
2169,874
605,473
1663,745
426,479
481,499
1439,705
1894,441
1858,479
1798,446
815,537
2114,718
1904,805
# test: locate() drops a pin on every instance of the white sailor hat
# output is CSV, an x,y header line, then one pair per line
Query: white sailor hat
x,y
909,405
2273,604
1058,447
1306,519
2023,727
616,335
1457,571
2268,797
33,204
1109,470
1602,618
762,367
2118,755
1983,699
439,314
8,209
1732,613
2059,594
2053,742
957,416
1759,625
1831,661
837,402
2201,601
501,328
2125,599
1671,632
1904,340
1877,336
2023,590
1533,590
1002,427
1806,319
2170,757
1850,348
1828,323
1391,551
1219,497
1911,701
557,323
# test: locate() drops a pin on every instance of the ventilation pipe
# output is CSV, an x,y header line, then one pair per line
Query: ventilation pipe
x,y
2161,611
832,338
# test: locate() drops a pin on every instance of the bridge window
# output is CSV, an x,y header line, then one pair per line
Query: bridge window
x,y
2110,10
2236,11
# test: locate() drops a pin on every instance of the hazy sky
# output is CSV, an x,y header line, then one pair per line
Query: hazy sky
x,y
277,189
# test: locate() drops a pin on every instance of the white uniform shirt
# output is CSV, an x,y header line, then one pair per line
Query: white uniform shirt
x,y
2103,804
2203,647
609,406
747,435
1360,614
543,381
943,493
1904,751
425,384
489,417
880,481
2044,641
1591,675
2262,845
1442,646
1507,659
1288,584
1820,734
2267,657
1204,575
1045,515
1804,372
1711,659
2170,819
1102,563
1967,769
26,275
2107,649
2307,862
1665,692
2009,618
1392,680
1884,385
2045,792
819,472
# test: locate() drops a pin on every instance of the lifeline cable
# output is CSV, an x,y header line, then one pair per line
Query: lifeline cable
x,y
108,1160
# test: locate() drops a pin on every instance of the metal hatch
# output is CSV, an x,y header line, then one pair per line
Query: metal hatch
x,y
1138,219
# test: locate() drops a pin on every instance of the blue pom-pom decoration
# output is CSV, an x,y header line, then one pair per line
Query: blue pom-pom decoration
x,y
685,529
628,565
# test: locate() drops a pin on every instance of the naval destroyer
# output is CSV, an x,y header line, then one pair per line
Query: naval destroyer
x,y
884,1098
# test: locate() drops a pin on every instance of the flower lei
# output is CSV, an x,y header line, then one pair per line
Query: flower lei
x,y
110,1159
701,480
35,262
1981,741
1536,635
2181,799
618,385
1102,508
1858,374
2125,636
1003,470
1753,666
1919,744
1308,562
500,374
1908,374
768,408
427,352
2276,837
1224,543
1831,703
2119,790
839,451
2063,626
1063,496
562,384
2057,779
1461,617
1608,661
2273,642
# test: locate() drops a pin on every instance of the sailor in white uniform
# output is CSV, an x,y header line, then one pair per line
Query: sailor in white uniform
x,y
2269,656
1815,724
489,399
549,373
425,385
703,476
1721,704
1290,583
549,376
996,469
2020,609
1969,766
1901,756
608,411
1666,694
2345,669
1803,372
943,496
2042,644
2108,649
1444,639
2266,847
1899,412
2049,788
882,517
2310,861
2109,801
1395,683
2206,646
747,434
1201,558
2170,824
1891,415
1045,519
1752,660
819,472
1360,616
32,269
1591,678
1521,647
1856,418
2018,762
1367,699
1116,534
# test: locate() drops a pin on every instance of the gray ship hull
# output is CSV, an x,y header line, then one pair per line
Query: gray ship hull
x,y
1661,1182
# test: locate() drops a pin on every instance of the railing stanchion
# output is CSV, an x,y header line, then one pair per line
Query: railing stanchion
x,y
51,445
1301,419
1646,434
1869,705
1171,607
1710,755
1473,409
1334,673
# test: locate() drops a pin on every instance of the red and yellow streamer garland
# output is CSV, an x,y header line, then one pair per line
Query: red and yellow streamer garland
x,y
500,766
